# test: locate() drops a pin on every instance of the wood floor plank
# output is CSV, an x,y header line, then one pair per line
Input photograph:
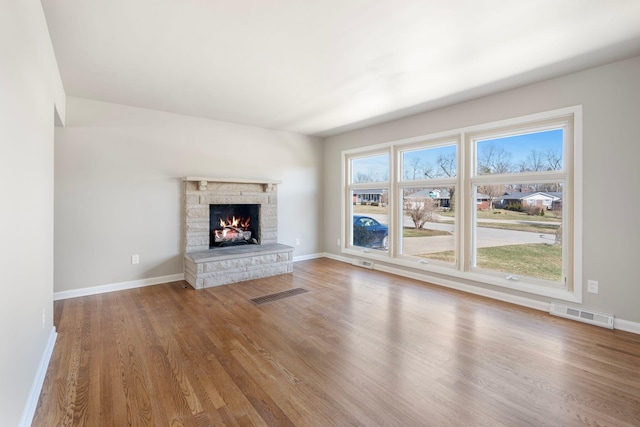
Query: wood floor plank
x,y
361,347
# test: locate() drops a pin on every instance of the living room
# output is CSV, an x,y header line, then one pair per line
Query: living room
x,y
89,182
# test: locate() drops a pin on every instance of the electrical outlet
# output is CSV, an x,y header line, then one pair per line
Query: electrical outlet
x,y
297,242
592,286
135,259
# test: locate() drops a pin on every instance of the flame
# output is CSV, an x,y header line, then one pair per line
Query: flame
x,y
237,223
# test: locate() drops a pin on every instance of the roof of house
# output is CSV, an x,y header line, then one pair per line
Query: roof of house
x,y
429,194
525,195
375,191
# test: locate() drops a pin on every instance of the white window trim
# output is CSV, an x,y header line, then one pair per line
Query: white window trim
x,y
465,182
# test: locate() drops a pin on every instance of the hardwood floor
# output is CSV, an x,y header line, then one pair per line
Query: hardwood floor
x,y
360,348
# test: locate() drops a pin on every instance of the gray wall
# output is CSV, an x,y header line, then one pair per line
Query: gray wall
x,y
118,188
610,96
29,87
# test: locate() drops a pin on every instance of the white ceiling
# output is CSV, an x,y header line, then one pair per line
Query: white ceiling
x,y
324,66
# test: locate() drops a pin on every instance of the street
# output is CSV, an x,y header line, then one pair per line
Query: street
x,y
486,237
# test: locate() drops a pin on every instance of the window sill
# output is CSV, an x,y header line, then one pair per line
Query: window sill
x,y
472,278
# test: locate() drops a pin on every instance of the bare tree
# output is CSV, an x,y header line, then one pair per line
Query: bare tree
x,y
493,160
370,176
362,177
492,191
554,160
447,164
534,162
420,210
414,169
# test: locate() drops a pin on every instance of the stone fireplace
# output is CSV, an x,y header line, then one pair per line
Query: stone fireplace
x,y
231,231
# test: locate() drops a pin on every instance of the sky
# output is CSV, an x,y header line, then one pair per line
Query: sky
x,y
519,146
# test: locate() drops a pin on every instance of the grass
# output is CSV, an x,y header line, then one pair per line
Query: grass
x,y
533,228
423,232
537,260
550,216
366,209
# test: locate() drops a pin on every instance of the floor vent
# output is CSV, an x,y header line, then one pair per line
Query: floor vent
x,y
586,316
363,263
279,295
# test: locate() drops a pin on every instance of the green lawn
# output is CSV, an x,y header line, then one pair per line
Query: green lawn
x,y
423,232
367,210
551,216
533,228
537,260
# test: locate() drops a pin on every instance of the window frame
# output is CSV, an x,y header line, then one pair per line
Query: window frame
x,y
465,199
402,184
347,211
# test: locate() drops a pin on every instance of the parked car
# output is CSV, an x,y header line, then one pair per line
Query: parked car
x,y
368,232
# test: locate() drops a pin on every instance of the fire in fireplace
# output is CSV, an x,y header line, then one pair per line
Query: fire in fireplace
x,y
231,225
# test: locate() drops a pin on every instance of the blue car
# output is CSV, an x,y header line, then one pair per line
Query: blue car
x,y
368,232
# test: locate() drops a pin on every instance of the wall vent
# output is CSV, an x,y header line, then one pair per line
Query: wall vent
x,y
585,316
363,263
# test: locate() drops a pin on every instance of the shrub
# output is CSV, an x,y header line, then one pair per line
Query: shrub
x,y
533,210
362,236
420,212
375,204
516,207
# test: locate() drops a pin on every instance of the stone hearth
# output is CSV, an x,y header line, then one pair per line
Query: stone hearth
x,y
233,264
206,267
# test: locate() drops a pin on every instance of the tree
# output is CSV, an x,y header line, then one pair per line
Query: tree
x,y
534,162
447,168
414,169
554,160
362,177
370,176
420,211
493,160
446,165
492,191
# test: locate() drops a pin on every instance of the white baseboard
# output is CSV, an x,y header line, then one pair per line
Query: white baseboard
x,y
621,324
626,325
34,394
74,293
337,257
307,257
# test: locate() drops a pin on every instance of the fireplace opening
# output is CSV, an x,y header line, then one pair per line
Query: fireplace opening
x,y
233,225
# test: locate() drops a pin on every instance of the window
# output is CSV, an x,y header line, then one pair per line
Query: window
x,y
519,234
368,207
427,191
495,204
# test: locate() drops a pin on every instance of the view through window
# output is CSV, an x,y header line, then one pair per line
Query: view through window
x,y
519,198
369,202
493,202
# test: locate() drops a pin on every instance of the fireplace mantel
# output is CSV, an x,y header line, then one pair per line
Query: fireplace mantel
x,y
203,181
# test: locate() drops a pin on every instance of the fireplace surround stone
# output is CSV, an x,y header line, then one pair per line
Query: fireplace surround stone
x,y
204,267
